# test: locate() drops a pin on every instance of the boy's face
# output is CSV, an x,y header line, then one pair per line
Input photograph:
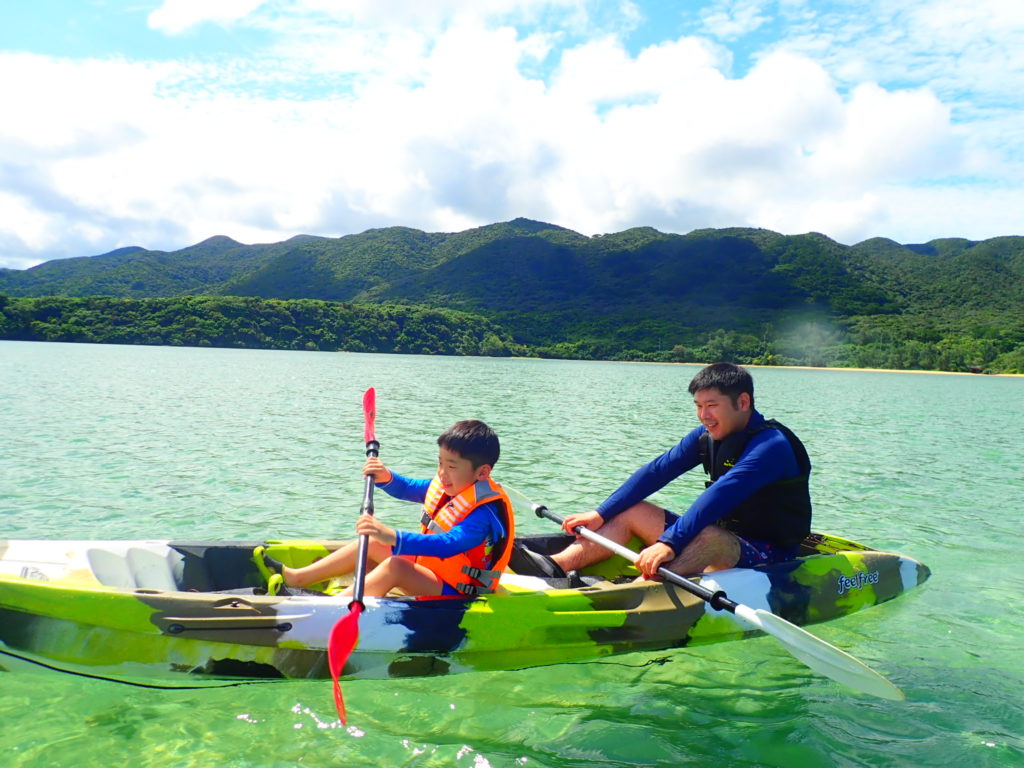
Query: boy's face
x,y
457,473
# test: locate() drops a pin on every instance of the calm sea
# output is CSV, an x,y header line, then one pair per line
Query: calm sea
x,y
155,442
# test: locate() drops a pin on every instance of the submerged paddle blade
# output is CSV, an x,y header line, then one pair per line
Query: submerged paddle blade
x,y
343,639
369,414
821,656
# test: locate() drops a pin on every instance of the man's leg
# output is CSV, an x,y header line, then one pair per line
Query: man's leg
x,y
713,549
644,520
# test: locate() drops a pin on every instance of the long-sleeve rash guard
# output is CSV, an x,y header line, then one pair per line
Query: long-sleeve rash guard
x,y
767,458
483,523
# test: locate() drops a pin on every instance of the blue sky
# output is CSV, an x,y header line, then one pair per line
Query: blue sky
x,y
160,123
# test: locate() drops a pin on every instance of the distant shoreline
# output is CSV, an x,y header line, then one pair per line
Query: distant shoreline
x,y
789,367
530,357
887,370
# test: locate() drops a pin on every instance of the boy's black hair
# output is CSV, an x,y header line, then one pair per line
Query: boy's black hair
x,y
729,379
472,440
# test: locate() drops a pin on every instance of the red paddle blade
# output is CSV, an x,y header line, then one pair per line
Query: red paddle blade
x,y
369,414
343,639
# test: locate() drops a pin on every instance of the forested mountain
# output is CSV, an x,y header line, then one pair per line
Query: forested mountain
x,y
748,294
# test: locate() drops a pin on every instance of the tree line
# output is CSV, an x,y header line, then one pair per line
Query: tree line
x,y
315,325
251,323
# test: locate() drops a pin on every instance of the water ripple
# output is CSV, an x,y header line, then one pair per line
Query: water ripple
x,y
148,442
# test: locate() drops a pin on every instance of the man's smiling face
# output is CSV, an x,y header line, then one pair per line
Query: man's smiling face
x,y
718,414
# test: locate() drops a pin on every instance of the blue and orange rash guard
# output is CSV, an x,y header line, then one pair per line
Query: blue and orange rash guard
x,y
767,458
482,524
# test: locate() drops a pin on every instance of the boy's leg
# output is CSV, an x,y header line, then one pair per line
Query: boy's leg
x,y
644,520
399,573
339,562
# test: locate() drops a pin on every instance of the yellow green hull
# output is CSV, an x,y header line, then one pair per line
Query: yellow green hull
x,y
125,609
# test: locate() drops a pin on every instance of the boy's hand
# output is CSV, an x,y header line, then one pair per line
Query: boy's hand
x,y
368,525
375,467
591,520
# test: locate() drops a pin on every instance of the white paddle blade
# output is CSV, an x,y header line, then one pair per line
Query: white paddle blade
x,y
820,656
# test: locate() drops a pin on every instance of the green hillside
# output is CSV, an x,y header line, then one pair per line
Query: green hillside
x,y
746,294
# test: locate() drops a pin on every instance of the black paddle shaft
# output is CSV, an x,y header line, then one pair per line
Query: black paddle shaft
x,y
717,598
372,450
805,647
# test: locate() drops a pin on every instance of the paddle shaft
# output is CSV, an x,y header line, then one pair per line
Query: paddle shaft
x,y
717,599
820,656
372,450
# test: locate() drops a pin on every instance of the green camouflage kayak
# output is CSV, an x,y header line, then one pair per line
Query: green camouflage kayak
x,y
185,613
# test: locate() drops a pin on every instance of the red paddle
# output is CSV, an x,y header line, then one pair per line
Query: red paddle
x,y
345,633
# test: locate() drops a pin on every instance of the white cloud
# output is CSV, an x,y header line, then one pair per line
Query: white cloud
x,y
730,19
448,129
960,24
968,52
603,73
923,213
886,135
296,17
177,16
779,148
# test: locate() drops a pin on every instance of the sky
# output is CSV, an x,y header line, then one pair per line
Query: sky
x,y
160,123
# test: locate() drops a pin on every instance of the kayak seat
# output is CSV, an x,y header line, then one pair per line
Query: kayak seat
x,y
532,553
136,568
526,562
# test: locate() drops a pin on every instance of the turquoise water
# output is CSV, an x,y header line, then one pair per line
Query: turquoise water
x,y
156,442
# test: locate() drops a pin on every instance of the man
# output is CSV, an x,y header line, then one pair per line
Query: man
x,y
755,509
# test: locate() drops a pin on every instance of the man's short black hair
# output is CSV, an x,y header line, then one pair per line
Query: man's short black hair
x,y
472,440
729,379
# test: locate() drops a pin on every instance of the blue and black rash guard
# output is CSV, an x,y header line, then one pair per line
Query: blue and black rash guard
x,y
768,458
482,524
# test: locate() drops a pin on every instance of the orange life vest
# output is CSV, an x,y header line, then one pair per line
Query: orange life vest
x,y
476,571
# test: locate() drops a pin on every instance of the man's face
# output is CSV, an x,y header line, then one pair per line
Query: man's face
x,y
717,413
457,473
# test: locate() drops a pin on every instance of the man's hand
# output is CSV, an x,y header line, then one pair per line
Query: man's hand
x,y
368,525
653,557
375,467
591,520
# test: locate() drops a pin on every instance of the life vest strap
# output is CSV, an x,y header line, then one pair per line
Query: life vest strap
x,y
485,577
428,521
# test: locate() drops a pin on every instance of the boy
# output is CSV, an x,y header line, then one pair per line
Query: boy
x,y
467,526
